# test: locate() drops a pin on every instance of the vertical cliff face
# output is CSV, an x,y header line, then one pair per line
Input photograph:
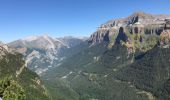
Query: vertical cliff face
x,y
101,35
138,23
121,36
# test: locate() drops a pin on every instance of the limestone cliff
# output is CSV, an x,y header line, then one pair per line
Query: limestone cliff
x,y
120,29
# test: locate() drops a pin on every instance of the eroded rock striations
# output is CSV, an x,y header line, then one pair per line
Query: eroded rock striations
x,y
137,23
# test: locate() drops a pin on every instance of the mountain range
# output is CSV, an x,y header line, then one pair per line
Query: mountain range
x,y
124,59
43,52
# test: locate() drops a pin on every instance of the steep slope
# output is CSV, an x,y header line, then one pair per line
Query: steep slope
x,y
17,81
90,74
150,73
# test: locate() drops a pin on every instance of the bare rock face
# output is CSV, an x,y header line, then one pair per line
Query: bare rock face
x,y
99,36
121,36
137,23
165,39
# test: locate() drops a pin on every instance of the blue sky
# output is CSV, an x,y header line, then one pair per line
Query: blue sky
x,y
22,18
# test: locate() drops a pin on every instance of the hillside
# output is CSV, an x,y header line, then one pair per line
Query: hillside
x,y
16,81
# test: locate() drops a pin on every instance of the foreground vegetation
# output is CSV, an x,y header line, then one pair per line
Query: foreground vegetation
x,y
24,86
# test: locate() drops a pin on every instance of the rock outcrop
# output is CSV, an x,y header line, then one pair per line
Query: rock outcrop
x,y
137,23
165,35
3,48
99,36
165,38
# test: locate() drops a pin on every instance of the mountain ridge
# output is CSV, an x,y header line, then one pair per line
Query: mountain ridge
x,y
43,52
136,23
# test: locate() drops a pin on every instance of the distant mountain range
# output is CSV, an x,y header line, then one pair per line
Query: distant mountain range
x,y
44,52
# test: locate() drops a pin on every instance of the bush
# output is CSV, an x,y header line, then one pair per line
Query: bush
x,y
11,90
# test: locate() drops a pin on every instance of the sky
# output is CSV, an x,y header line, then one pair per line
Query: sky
x,y
58,18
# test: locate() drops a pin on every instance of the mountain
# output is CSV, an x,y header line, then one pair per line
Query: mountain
x,y
125,59
43,52
17,82
138,22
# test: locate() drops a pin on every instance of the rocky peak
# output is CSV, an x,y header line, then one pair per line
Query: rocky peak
x,y
41,53
138,17
43,42
141,14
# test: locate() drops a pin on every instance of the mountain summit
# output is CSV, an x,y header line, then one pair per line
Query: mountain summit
x,y
39,42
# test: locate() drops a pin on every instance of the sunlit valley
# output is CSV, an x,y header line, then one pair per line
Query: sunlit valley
x,y
123,59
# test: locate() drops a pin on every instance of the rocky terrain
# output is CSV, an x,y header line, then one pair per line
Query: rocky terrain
x,y
137,23
43,52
